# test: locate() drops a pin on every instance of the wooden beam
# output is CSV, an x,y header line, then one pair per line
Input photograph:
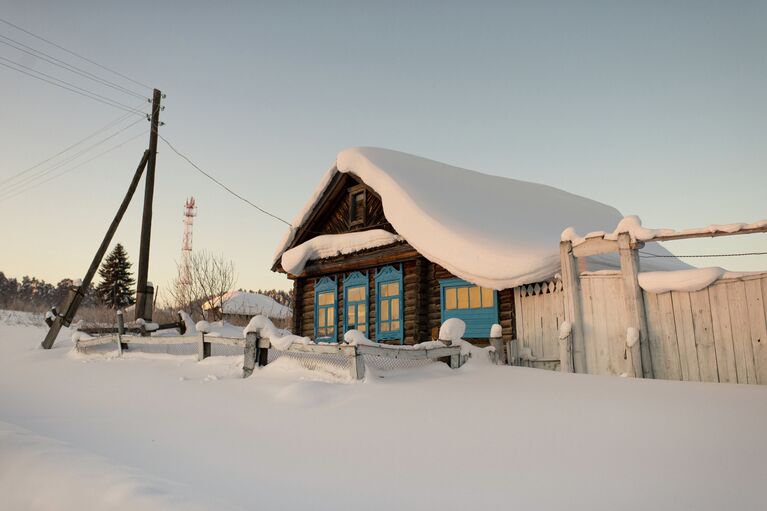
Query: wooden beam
x,y
573,312
635,300
594,246
687,236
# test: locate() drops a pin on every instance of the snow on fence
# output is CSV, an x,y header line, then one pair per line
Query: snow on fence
x,y
351,359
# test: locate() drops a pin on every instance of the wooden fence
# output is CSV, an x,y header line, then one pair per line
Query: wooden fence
x,y
539,312
256,350
716,334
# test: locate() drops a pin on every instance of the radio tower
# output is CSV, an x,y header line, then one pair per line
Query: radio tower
x,y
190,211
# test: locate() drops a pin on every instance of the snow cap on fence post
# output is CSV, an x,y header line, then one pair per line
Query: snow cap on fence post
x,y
202,327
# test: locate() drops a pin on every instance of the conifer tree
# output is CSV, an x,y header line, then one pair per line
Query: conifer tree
x,y
116,280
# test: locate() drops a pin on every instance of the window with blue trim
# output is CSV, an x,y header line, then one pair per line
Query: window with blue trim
x,y
389,304
356,302
325,310
476,306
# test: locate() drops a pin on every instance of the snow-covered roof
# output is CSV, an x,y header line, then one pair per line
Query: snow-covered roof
x,y
493,231
252,304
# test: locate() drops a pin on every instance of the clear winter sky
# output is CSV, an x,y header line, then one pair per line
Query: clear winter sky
x,y
657,108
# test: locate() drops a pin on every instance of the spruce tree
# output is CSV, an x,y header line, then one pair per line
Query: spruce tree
x,y
115,290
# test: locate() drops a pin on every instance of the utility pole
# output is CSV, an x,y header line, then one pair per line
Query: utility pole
x,y
146,220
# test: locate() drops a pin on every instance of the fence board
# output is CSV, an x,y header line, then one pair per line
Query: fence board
x,y
670,342
741,333
685,334
600,326
720,322
618,322
655,335
588,326
704,336
758,328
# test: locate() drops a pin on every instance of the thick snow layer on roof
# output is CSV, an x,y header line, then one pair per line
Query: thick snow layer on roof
x,y
328,245
493,231
252,304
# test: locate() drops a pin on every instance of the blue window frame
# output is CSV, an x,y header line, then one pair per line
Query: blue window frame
x,y
325,299
356,302
389,323
476,306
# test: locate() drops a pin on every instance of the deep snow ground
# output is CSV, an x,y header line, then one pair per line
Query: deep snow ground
x,y
167,432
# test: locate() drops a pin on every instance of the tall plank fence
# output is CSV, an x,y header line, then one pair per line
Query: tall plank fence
x,y
716,334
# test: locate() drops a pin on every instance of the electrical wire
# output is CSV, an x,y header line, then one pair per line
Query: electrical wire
x,y
64,65
75,167
86,59
69,86
222,185
43,172
648,255
97,132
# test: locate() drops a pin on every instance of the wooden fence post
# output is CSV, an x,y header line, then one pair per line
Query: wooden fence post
x,y
120,332
356,365
203,348
572,288
633,355
251,354
500,350
635,300
566,354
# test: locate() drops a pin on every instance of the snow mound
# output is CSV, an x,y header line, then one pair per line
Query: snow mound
x,y
77,479
280,339
452,330
493,231
329,245
357,338
681,280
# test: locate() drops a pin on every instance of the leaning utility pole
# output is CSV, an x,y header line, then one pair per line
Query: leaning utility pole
x,y
56,320
145,294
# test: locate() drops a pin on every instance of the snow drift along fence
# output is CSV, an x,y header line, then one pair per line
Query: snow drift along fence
x,y
258,352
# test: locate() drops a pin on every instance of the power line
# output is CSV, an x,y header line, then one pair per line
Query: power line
x,y
97,132
649,255
86,59
69,159
64,65
69,86
222,185
19,192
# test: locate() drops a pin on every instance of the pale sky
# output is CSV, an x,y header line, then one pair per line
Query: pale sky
x,y
656,108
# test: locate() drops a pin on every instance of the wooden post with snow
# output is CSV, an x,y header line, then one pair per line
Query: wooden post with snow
x,y
251,354
356,365
573,314
633,355
635,302
203,348
497,342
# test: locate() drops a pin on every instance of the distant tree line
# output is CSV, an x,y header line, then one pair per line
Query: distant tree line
x,y
38,294
114,291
